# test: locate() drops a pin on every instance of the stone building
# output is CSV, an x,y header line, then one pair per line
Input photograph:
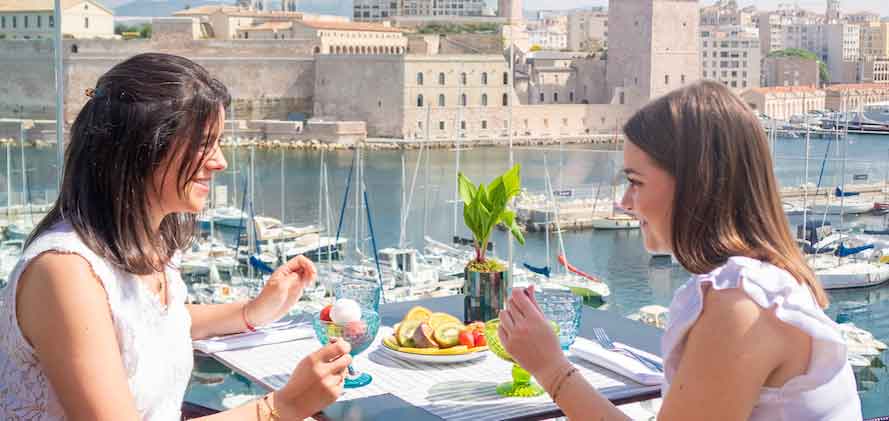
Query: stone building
x,y
656,50
782,102
332,37
854,96
34,19
727,12
790,71
874,70
232,22
553,77
874,39
730,55
587,28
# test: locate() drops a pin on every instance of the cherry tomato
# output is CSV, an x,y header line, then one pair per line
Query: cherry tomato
x,y
325,313
467,338
479,338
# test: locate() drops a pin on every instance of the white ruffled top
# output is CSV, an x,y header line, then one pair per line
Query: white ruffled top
x,y
154,341
827,390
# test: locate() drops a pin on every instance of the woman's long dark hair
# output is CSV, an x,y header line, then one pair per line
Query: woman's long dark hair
x,y
726,201
143,112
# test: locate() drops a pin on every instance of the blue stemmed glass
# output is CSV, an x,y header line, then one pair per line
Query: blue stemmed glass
x,y
366,294
564,308
359,334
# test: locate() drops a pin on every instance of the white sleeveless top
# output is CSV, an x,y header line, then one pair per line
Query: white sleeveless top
x,y
826,391
155,342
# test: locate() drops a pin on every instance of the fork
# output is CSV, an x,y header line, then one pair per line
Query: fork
x,y
603,339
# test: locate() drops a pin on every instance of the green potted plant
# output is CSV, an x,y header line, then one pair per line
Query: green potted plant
x,y
487,283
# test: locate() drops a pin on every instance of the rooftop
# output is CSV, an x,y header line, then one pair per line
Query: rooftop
x,y
856,87
785,89
269,26
349,26
235,11
43,5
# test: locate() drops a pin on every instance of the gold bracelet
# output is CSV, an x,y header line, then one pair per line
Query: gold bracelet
x,y
273,413
258,415
562,382
564,370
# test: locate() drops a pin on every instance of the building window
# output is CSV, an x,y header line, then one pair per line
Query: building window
x,y
86,23
505,78
484,100
556,97
441,125
505,100
420,78
420,100
463,100
571,97
463,125
484,124
484,78
420,125
666,79
441,100
462,78
622,98
542,98
15,22
52,21
441,78
26,21
2,21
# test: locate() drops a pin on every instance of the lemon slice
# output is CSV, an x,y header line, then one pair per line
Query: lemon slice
x,y
438,319
418,313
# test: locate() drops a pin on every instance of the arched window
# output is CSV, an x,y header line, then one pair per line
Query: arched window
x,y
463,78
441,100
505,100
505,78
484,100
419,78
571,97
556,97
463,100
542,98
441,78
317,50
484,78
420,100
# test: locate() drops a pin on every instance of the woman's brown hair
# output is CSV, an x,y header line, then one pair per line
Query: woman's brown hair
x,y
142,112
726,201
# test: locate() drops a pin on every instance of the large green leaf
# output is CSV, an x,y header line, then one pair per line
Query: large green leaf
x,y
508,218
466,188
512,181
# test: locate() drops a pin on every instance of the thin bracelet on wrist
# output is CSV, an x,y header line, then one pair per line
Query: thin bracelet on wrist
x,y
273,413
247,323
562,381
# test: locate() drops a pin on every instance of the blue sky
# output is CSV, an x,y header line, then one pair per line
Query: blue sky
x,y
879,6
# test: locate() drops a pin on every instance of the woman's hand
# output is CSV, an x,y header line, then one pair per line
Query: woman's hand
x,y
282,290
528,336
316,382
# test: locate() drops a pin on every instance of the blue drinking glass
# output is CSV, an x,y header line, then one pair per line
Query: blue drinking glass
x,y
564,309
359,334
366,294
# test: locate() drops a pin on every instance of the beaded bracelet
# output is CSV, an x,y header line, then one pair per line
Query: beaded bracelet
x,y
558,386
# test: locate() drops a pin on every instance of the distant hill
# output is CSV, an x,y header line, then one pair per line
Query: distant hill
x,y
161,8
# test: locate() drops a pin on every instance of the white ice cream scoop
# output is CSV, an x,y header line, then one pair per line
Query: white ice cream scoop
x,y
345,310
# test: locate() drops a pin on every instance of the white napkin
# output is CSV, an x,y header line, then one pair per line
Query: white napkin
x,y
618,362
266,335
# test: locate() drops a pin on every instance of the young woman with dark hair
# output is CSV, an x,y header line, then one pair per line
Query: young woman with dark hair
x,y
747,337
93,323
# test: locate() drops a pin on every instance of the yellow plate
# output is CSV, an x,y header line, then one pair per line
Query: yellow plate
x,y
390,343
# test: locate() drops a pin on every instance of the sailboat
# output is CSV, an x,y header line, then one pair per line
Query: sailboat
x,y
616,221
592,289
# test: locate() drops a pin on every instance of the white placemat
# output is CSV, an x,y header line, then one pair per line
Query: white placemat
x,y
462,391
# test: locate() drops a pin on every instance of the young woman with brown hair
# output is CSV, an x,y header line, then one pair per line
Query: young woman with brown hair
x,y
93,323
747,336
